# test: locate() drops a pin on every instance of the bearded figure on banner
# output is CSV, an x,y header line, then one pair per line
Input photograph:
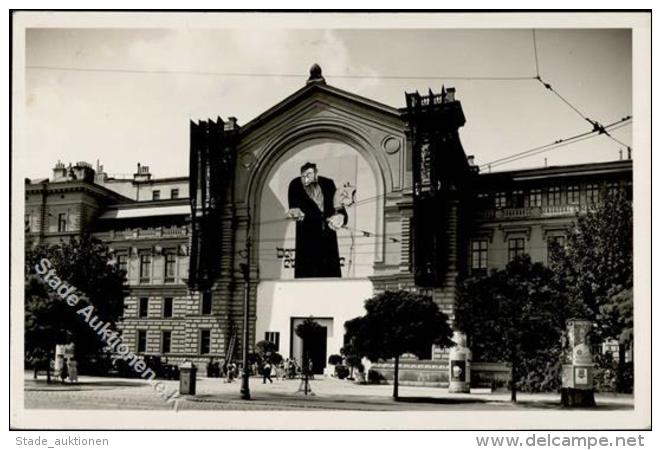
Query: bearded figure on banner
x,y
319,210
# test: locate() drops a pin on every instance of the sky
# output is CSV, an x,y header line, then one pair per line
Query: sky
x,y
108,109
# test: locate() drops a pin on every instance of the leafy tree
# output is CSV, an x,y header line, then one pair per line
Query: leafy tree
x,y
266,350
335,359
594,270
349,351
397,322
306,330
514,315
87,264
276,358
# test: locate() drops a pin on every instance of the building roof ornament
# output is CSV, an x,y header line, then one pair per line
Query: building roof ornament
x,y
315,75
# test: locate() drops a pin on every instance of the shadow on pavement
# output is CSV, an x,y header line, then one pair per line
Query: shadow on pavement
x,y
42,385
442,401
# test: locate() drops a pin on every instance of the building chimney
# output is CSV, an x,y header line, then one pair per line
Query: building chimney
x,y
142,175
231,124
59,171
449,96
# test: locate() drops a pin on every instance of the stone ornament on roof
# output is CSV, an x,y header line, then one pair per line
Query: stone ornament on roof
x,y
315,75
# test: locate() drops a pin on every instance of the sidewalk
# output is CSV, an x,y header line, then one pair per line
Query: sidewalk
x,y
328,393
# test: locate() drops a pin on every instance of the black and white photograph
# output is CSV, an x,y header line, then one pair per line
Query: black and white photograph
x,y
330,221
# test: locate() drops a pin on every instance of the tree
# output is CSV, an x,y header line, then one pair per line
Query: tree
x,y
594,270
87,264
349,351
398,322
306,330
267,351
513,315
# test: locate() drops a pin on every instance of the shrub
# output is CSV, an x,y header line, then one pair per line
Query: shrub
x,y
341,371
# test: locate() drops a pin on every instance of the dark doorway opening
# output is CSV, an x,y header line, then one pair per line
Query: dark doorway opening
x,y
315,348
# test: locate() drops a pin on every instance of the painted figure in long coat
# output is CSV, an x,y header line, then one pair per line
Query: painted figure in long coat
x,y
311,204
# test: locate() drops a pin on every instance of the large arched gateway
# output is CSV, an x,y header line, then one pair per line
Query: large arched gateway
x,y
366,151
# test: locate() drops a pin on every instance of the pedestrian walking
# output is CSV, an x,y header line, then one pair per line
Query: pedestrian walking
x,y
72,367
64,371
231,369
266,372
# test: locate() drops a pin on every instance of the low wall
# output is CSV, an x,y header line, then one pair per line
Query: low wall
x,y
413,372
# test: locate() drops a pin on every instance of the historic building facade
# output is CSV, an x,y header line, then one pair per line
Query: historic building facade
x,y
422,217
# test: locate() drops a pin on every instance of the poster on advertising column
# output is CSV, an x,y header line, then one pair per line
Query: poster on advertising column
x,y
317,215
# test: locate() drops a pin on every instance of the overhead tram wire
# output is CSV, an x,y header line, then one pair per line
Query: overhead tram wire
x,y
277,75
553,146
392,237
556,144
596,126
612,126
534,44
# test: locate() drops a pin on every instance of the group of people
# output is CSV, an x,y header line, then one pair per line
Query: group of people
x,y
286,369
67,368
222,369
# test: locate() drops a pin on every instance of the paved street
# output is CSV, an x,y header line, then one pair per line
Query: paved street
x,y
329,394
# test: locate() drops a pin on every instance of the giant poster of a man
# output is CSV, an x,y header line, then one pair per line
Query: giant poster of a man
x,y
318,215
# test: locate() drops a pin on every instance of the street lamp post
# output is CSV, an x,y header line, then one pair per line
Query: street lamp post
x,y
245,381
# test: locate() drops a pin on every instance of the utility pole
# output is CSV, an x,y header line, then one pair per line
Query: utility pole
x,y
245,268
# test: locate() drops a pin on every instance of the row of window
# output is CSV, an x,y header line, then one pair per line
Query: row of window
x,y
156,194
166,342
169,268
62,222
515,247
555,196
204,341
168,306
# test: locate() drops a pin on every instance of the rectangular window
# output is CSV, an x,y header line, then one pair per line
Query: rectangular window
x,y
145,267
517,199
123,262
515,247
28,223
535,198
274,338
167,307
479,255
500,200
170,264
206,302
613,189
142,341
143,309
573,195
166,342
174,193
592,194
62,222
554,196
156,195
205,342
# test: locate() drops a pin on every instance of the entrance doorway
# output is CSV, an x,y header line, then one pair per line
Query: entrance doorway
x,y
317,345
315,349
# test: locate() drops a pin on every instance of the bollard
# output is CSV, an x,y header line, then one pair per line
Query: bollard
x,y
577,370
187,377
460,364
